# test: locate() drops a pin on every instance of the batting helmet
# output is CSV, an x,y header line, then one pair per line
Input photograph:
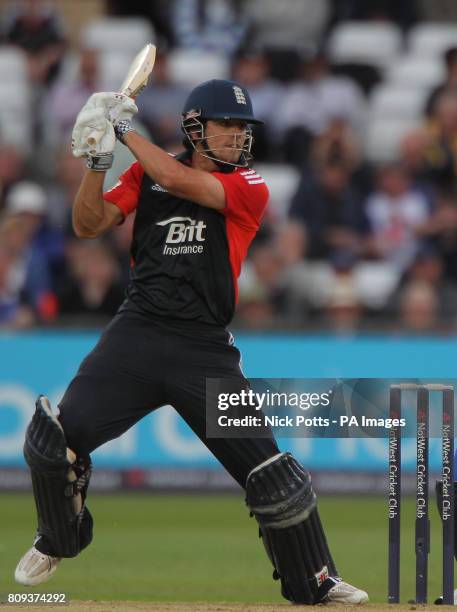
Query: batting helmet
x,y
221,99
217,99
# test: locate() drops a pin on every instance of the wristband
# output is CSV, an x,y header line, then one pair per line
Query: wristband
x,y
122,128
101,162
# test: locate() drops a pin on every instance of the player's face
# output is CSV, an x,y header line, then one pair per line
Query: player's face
x,y
226,138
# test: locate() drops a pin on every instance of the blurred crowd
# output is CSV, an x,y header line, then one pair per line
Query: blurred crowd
x,y
357,245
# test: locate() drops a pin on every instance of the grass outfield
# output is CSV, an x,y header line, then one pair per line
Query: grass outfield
x,y
186,548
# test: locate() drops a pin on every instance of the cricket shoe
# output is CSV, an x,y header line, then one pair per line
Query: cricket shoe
x,y
344,593
35,567
439,601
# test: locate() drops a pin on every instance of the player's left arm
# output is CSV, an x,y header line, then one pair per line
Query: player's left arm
x,y
180,180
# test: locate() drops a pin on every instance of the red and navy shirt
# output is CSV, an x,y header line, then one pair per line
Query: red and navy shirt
x,y
186,258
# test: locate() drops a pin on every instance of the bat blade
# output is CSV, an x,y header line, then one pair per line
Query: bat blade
x,y
136,79
139,71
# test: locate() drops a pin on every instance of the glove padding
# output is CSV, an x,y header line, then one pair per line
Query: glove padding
x,y
95,122
92,123
120,107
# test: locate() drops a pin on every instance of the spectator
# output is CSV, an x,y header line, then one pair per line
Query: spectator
x,y
444,11
28,202
34,25
157,12
396,211
259,289
122,241
441,142
312,103
69,171
332,212
276,281
254,310
252,70
292,298
343,311
12,168
428,269
413,157
448,86
93,290
210,25
441,230
66,98
27,276
419,308
403,13
14,313
338,143
290,243
161,103
290,24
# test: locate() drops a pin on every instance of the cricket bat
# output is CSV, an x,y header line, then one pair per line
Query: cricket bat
x,y
136,79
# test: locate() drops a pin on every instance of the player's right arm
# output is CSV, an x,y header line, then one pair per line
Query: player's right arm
x,y
91,214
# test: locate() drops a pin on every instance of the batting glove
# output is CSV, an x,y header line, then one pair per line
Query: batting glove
x,y
121,112
93,137
93,134
120,107
117,106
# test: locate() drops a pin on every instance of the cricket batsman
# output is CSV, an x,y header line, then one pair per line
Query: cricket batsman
x,y
196,215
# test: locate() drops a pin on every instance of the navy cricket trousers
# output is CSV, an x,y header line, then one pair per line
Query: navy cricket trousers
x,y
141,364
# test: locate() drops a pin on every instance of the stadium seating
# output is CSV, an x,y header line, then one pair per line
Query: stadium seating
x,y
397,104
383,137
397,101
282,181
128,34
113,68
432,39
192,66
416,71
69,67
365,76
13,65
366,42
372,284
15,125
